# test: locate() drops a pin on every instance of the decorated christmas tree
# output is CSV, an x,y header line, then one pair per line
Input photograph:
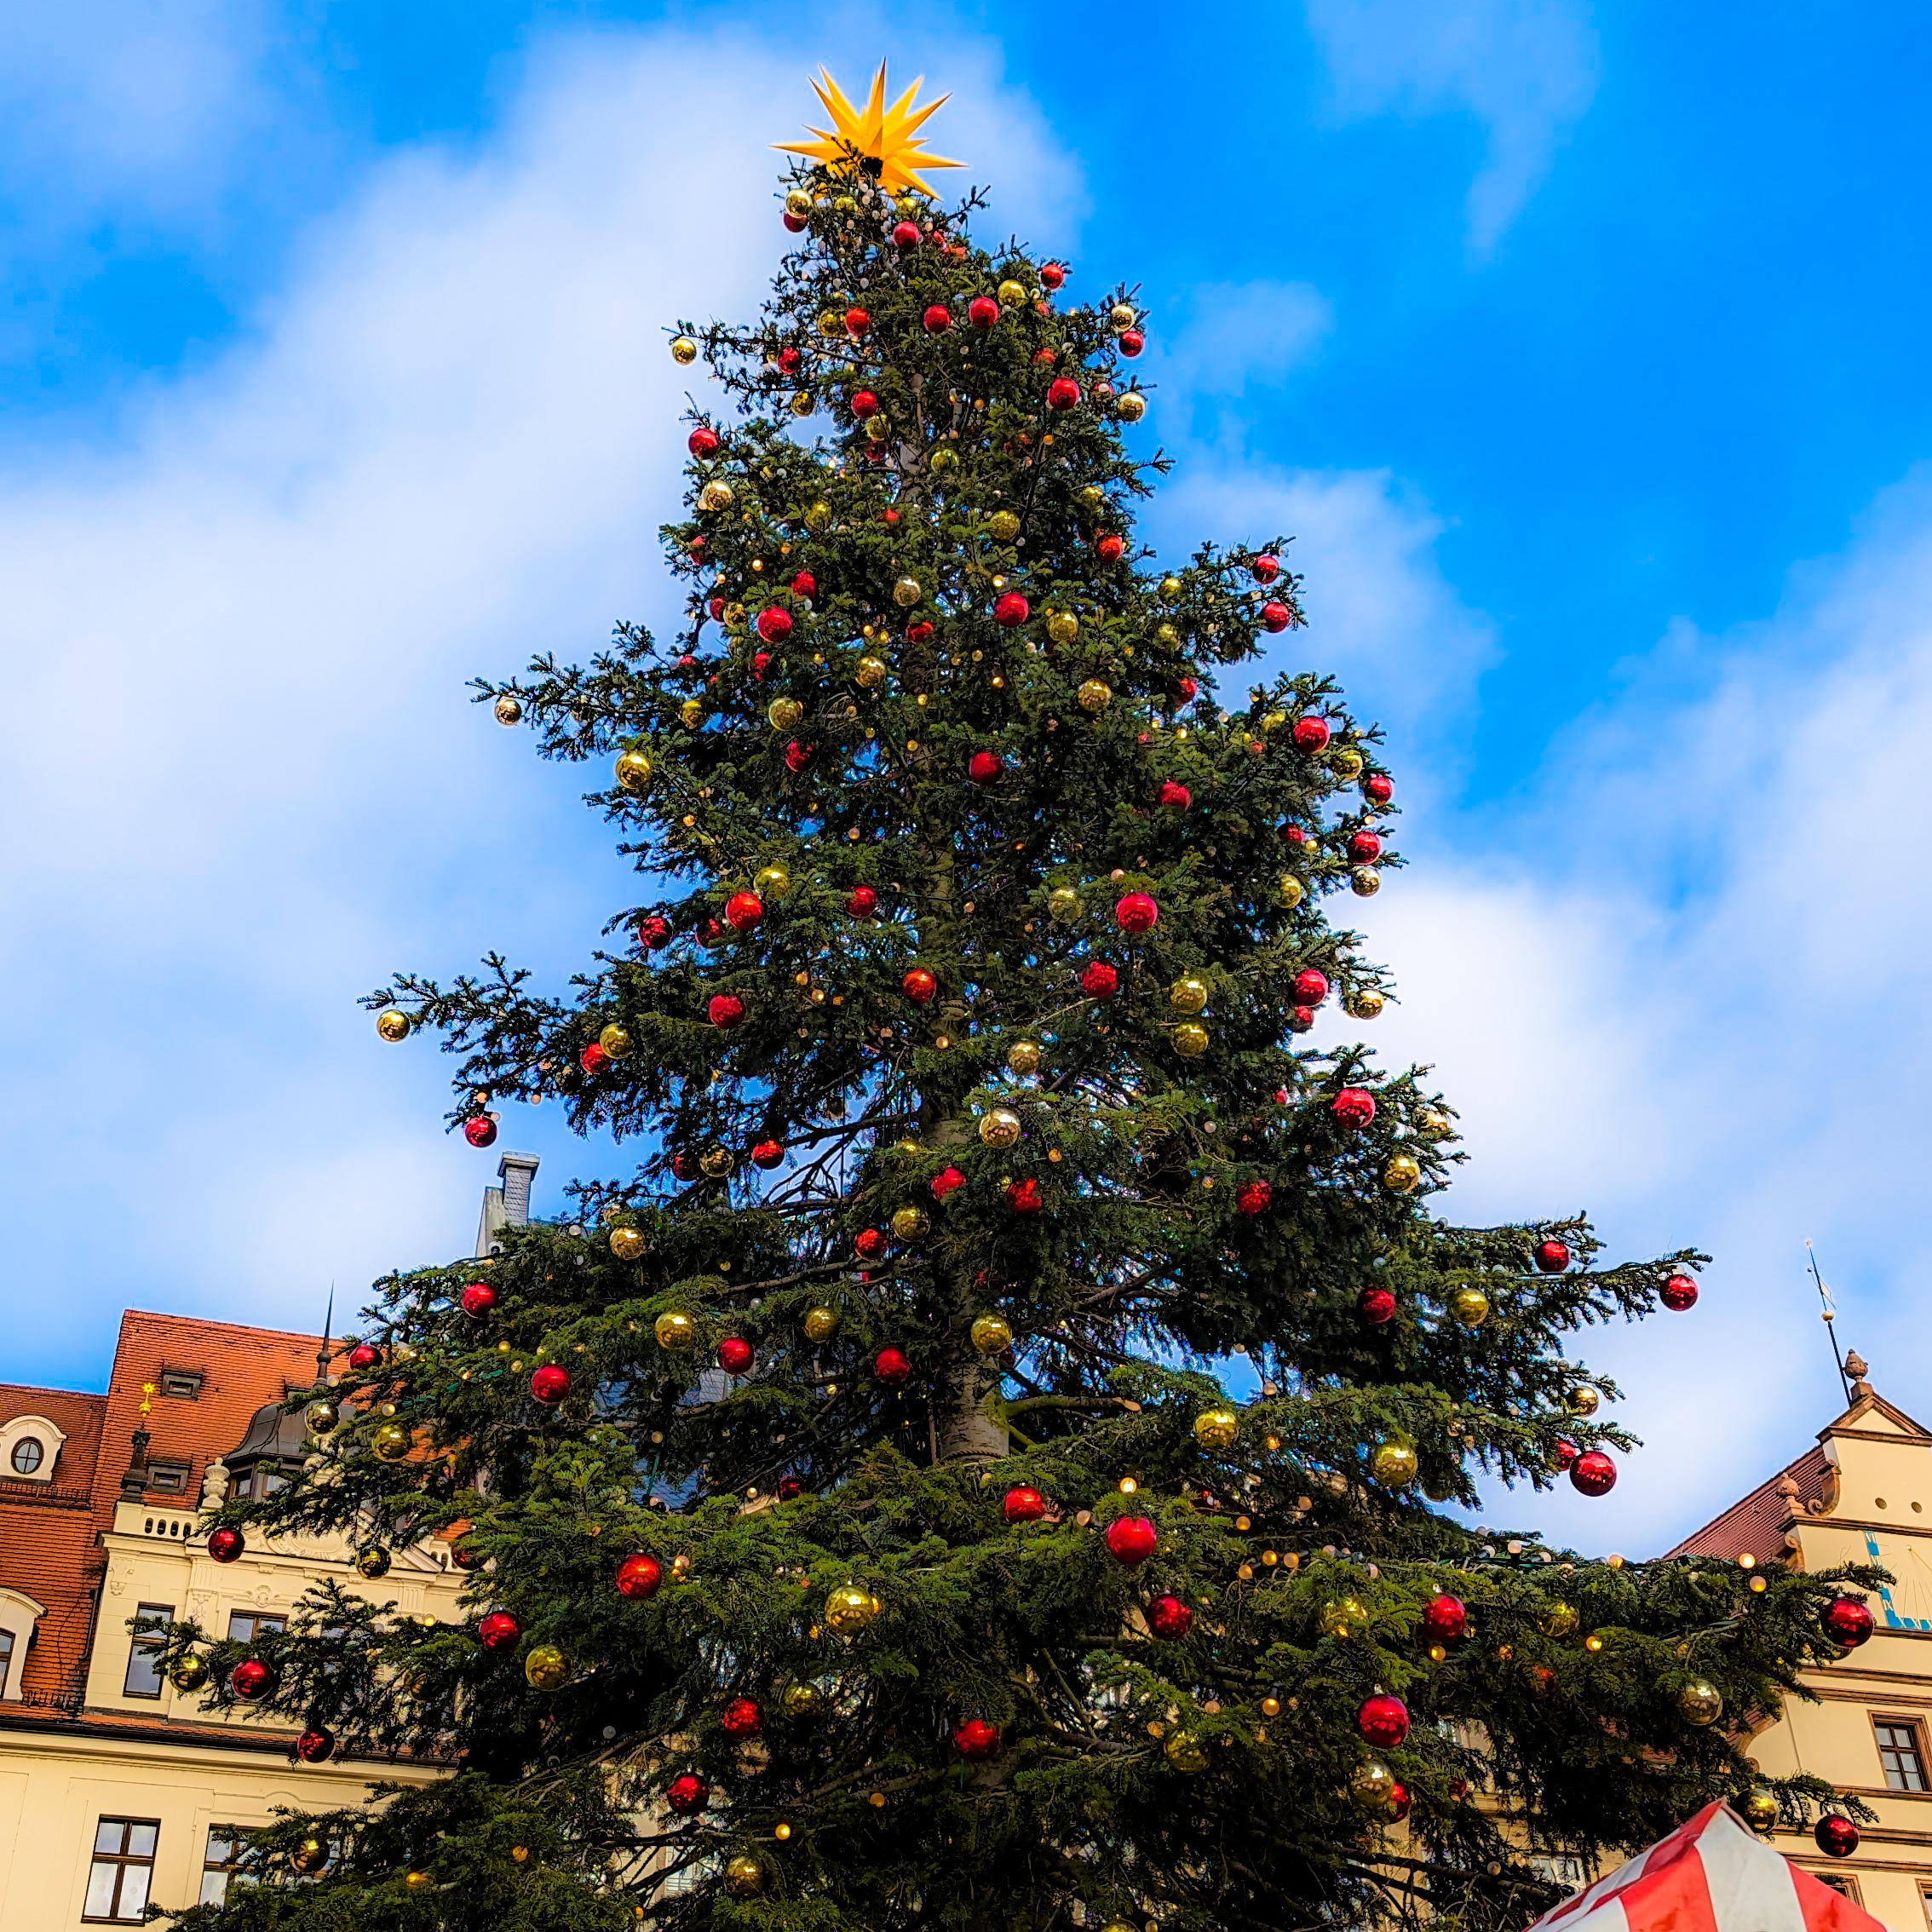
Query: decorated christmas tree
x,y
982,1467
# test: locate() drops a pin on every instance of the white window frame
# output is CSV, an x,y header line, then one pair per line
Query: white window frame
x,y
19,1614
51,1439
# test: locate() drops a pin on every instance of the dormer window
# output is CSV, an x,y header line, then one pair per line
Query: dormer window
x,y
29,1453
184,1385
171,1479
29,1449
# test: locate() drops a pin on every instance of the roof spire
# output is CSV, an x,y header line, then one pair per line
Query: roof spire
x,y
1829,1317
328,1323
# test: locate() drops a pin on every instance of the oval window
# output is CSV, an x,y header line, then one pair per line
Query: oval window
x,y
28,1454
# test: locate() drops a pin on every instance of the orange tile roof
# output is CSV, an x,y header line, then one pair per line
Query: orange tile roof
x,y
1756,1524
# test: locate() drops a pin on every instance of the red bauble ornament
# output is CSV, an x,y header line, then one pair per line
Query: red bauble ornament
x,y
478,1298
919,633
1131,1539
1137,912
652,932
1012,609
1266,569
479,1129
1566,1451
1184,688
1169,1619
687,1794
251,1680
938,319
1063,393
1847,1620
1678,1293
976,1739
464,1558
919,986
741,1718
774,626
1052,275
1376,1306
865,404
857,321
1024,1504
702,442
1383,1722
549,1384
1132,341
982,311
804,584
1835,1836
315,1745
1023,1197
984,767
1311,734
789,361
1444,1619
712,933
1353,1106
861,903
905,234
638,1577
1364,848
891,1367
871,1244
1399,1801
795,224
790,1489
1300,1018
1099,981
761,662
1256,1198
1552,1257
725,1011
798,756
767,1154
1274,617
498,1630
734,1354
685,1167
1311,987
593,1059
1378,788
945,1180
1292,834
1594,1473
1110,548
364,1356
1173,794
226,1543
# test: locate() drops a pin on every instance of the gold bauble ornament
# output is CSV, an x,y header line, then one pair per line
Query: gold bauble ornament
x,y
1290,890
1190,1041
1760,1811
189,1673
1063,627
831,323
798,204
1121,315
1364,1005
509,709
1063,903
632,771
1273,723
373,1562
390,1442
1168,589
1438,1125
1185,1752
615,1041
909,1224
869,674
1217,1428
1188,996
1167,636
320,1418
717,1162
1402,1175
717,495
1582,1400
627,1243
1698,1703
1011,294
1394,1464
1346,763
1470,1306
944,459
1557,1620
1004,524
772,882
1131,405
743,1877
1365,882
392,1024
906,592
683,349
820,1323
418,1881
691,713
818,517
676,1331
784,714
1343,1617
1373,1788
546,1668
309,1857
803,1700
849,1610
1094,695
1023,1057
999,1128
992,1334
803,402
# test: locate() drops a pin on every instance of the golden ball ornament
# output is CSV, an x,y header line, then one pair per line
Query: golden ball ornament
x,y
393,1025
320,1418
821,1324
519,1854
691,713
189,1673
1346,763
1094,695
1365,882
999,1128
1343,1617
1190,1041
1394,1464
1023,1057
906,592
1468,1306
633,772
1011,294
743,1877
876,429
1698,1703
944,459
1366,1005
1217,1428
683,350
909,1224
1188,996
1167,636
831,323
390,1443
309,1857
717,495
1558,1620
418,1881
675,1332
798,204
615,1041
1063,627
1121,315
849,1610
1004,524
1168,589
717,1162
1402,1175
772,882
1131,405
1373,1788
1582,1400
1760,1811
546,1668
870,673
734,615
1063,903
509,709
627,1243
803,402
1273,723
373,1562
1290,891
1185,1752
992,1334
784,714
818,517
1436,1125
803,1699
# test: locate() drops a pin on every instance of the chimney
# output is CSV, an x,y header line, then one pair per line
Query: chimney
x,y
507,1204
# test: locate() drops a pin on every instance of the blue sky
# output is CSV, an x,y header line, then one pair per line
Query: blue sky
x,y
1582,350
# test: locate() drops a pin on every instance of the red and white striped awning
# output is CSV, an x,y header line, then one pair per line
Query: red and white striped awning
x,y
1710,1875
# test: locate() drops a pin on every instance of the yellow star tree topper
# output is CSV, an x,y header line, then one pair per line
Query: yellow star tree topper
x,y
881,143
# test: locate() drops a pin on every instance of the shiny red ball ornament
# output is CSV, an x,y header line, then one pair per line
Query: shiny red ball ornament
x,y
1274,617
1353,1106
251,1680
1376,1306
1311,987
1099,981
1052,275
1132,341
480,1130
982,311
798,756
1173,794
735,1354
741,1718
652,932
226,1543
464,1558
1063,393
1265,568
919,633
937,319
789,361
1444,1619
804,584
498,1630
1835,1835
1131,1539
1110,548
905,234
1137,912
687,1794
477,1298
1382,1722
767,1154
947,1181
1011,609
1678,1293
1184,688
761,662
1566,1451
638,1577
1024,1197
857,322
1378,788
795,224
1552,1257
1169,1619
1300,1018
1399,1801
865,404
976,1740
364,1356
1292,834
549,1384
1023,1504
593,1059
1311,734
891,1367
685,1167
702,442
919,986
790,1489
871,1244
1593,1474
984,767
774,626
315,1745
1848,1621
861,903
1256,1197
1364,848
725,1011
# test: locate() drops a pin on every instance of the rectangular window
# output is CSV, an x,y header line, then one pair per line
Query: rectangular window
x,y
245,1626
6,1662
144,1676
122,1872
1901,1751
218,1864
171,1479
183,1385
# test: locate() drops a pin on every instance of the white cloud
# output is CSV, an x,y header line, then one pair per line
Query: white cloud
x,y
1526,69
1244,334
